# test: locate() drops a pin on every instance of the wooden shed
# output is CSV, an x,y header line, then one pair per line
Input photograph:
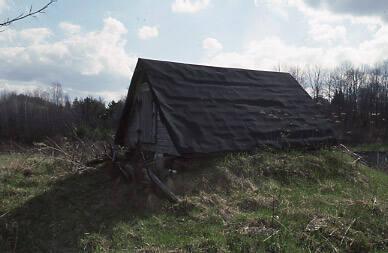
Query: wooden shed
x,y
182,109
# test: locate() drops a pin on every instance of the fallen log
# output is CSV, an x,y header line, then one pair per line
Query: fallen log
x,y
164,189
354,155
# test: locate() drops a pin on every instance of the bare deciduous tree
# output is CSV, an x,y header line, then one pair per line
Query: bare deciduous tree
x,y
299,74
56,94
316,80
23,15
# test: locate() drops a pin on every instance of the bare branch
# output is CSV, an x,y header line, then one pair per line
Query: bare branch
x,y
31,13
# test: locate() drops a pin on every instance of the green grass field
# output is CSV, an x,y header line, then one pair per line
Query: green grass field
x,y
267,202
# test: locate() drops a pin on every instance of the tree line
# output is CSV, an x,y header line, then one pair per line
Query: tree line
x,y
50,113
355,99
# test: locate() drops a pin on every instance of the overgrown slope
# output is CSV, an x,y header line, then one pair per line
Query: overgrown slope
x,y
271,201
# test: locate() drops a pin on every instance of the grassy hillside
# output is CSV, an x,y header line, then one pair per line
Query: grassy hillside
x,y
271,201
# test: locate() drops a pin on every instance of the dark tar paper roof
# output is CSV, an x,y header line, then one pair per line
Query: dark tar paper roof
x,y
212,109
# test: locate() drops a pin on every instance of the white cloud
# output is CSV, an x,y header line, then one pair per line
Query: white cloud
x,y
35,35
189,6
327,33
3,5
148,32
107,95
265,54
30,35
69,27
360,8
275,6
19,87
212,45
320,13
329,25
271,52
89,62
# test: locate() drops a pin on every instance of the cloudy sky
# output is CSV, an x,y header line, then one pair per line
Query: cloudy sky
x,y
91,47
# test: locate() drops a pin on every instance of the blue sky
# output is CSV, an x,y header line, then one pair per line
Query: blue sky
x,y
91,47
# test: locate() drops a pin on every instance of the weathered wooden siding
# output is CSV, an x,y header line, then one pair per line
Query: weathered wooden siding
x,y
133,126
137,122
164,144
164,141
146,117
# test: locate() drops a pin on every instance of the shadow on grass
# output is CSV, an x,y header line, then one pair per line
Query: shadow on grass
x,y
58,219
